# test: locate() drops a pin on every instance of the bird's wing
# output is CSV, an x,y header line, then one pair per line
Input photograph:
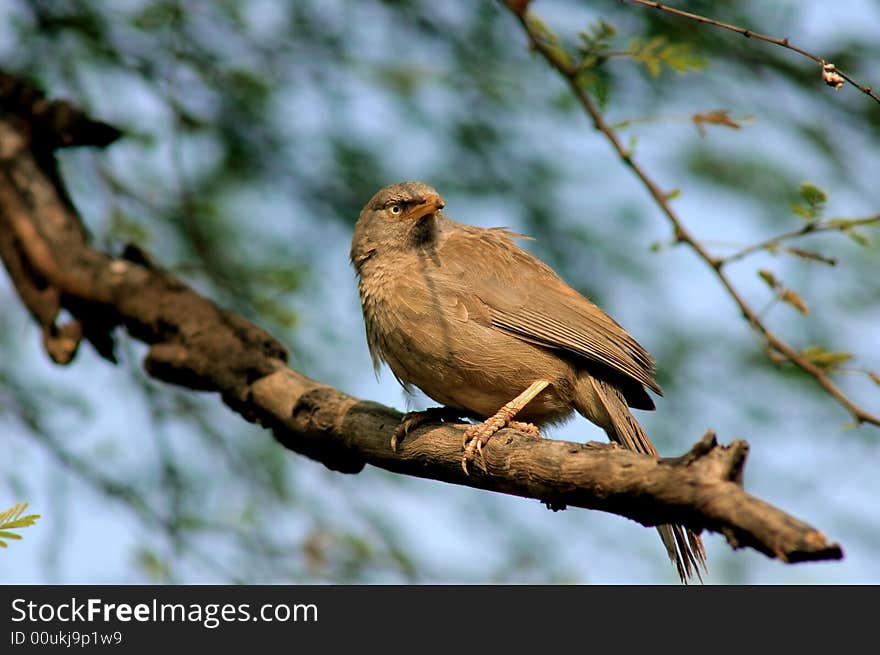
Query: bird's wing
x,y
526,298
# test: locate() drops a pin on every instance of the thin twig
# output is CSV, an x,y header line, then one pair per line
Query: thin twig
x,y
682,234
750,34
813,227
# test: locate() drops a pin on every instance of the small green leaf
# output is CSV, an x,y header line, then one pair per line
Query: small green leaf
x,y
12,513
803,211
23,522
11,519
826,359
681,58
813,195
596,41
815,199
656,52
603,30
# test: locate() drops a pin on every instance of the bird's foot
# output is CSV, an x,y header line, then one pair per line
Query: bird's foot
x,y
414,420
478,435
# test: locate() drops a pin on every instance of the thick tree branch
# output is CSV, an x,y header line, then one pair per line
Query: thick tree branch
x,y
196,344
775,344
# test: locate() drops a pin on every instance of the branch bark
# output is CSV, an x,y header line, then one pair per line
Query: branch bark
x,y
195,344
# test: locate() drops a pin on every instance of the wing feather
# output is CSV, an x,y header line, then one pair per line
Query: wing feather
x,y
526,298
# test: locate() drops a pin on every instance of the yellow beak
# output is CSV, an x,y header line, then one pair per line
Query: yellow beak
x,y
428,206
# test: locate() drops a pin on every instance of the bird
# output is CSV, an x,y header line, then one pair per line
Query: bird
x,y
493,334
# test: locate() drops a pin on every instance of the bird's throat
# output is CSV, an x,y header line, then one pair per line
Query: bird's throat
x,y
424,231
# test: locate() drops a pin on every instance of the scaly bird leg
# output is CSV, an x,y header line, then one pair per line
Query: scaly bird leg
x,y
478,435
414,420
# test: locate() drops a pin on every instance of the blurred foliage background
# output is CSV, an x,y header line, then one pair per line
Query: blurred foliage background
x,y
255,132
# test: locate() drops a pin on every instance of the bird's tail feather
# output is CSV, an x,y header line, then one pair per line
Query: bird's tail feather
x,y
684,546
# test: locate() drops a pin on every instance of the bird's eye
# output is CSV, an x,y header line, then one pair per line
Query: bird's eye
x,y
395,209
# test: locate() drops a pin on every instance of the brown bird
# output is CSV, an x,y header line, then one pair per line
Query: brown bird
x,y
491,332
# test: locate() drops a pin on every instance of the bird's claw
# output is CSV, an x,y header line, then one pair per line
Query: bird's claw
x,y
473,450
399,433
467,455
478,436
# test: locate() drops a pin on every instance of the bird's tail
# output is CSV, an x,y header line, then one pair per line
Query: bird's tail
x,y
684,546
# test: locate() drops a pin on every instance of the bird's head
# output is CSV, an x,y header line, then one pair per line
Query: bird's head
x,y
399,217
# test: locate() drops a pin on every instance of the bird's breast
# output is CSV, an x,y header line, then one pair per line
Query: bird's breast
x,y
437,338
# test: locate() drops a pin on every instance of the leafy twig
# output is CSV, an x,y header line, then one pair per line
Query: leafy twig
x,y
831,75
539,42
833,225
12,519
